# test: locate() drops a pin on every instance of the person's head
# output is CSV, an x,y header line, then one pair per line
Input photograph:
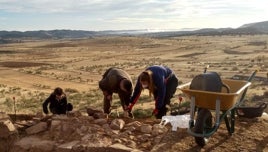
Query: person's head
x,y
146,80
126,86
58,92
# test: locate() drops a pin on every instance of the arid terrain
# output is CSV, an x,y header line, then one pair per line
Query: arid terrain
x,y
31,69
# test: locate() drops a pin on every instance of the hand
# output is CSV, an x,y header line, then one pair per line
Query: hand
x,y
109,97
155,112
160,113
125,107
125,113
128,114
47,115
105,93
129,107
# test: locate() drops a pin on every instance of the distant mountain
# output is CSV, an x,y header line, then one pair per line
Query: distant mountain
x,y
251,28
260,26
57,34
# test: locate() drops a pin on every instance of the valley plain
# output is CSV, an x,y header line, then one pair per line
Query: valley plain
x,y
31,69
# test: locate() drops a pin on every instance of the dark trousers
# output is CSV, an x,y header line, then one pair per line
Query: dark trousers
x,y
171,87
58,110
124,98
61,109
107,103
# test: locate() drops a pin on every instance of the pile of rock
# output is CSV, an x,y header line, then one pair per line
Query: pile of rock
x,y
91,132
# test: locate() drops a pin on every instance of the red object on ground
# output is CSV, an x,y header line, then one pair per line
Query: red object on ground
x,y
180,98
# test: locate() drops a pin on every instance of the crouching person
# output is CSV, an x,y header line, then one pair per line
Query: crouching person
x,y
161,83
57,102
118,81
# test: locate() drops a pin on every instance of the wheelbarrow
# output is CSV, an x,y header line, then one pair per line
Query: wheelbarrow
x,y
222,103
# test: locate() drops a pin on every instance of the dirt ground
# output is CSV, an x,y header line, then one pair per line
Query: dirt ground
x,y
250,135
32,68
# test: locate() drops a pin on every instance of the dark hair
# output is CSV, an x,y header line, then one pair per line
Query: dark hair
x,y
127,85
58,91
144,76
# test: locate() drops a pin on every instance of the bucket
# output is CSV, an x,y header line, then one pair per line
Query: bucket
x,y
251,112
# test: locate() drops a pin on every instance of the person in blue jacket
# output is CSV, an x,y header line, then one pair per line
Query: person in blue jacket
x,y
161,83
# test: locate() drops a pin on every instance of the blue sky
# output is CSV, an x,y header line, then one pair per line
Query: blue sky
x,y
98,15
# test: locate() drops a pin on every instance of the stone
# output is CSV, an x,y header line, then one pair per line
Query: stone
x,y
34,144
100,115
157,130
146,128
74,114
68,145
91,111
39,114
42,126
55,125
159,147
131,144
6,128
100,121
121,148
60,117
8,133
86,137
117,124
134,124
67,128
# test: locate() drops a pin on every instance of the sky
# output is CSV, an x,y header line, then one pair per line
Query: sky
x,y
158,15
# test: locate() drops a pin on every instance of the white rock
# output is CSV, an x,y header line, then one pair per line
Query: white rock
x,y
117,124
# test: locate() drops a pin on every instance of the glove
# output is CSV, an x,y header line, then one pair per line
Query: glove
x,y
130,106
160,113
130,115
155,112
109,97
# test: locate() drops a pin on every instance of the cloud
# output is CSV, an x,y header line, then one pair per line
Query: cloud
x,y
131,13
131,7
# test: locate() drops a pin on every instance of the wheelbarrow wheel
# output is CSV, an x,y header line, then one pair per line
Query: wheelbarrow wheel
x,y
202,125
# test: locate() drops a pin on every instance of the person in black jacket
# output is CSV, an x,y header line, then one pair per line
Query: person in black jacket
x,y
57,102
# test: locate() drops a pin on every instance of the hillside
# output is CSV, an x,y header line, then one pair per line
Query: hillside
x,y
251,28
261,26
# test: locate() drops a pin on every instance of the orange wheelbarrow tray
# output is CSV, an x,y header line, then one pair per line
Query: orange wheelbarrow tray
x,y
207,99
222,103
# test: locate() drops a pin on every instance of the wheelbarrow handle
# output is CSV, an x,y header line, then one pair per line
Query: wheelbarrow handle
x,y
252,76
249,80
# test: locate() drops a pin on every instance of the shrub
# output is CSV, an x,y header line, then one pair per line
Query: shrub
x,y
71,90
142,113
